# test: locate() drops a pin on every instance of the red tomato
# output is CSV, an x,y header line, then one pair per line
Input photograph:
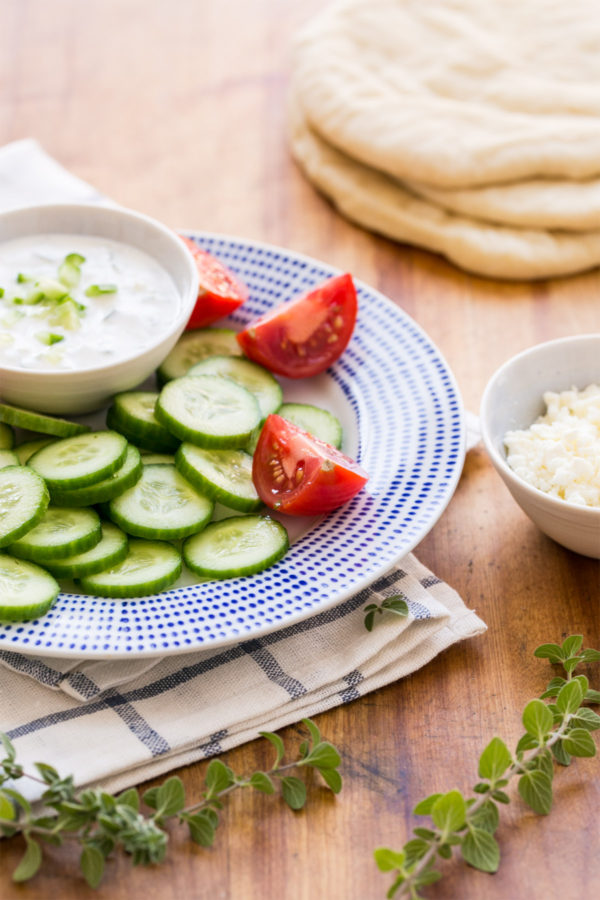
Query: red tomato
x,y
304,336
220,292
296,473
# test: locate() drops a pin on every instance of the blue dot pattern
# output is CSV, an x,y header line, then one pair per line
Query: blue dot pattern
x,y
411,438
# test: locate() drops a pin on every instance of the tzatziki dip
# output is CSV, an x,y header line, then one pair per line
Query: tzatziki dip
x,y
70,302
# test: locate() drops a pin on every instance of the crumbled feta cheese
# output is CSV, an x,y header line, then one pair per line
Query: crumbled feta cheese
x,y
560,453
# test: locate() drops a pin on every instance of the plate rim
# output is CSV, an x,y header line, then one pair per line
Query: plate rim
x,y
218,644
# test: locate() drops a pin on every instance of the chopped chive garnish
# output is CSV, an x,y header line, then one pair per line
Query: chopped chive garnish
x,y
22,279
1,292
68,271
95,290
49,337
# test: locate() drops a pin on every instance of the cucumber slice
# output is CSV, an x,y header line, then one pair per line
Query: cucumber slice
x,y
240,545
208,410
155,459
26,591
194,346
117,483
149,566
110,550
79,461
132,414
8,458
223,475
249,375
23,501
162,505
25,418
61,532
318,422
26,450
7,437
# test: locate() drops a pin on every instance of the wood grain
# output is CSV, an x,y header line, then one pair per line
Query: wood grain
x,y
178,109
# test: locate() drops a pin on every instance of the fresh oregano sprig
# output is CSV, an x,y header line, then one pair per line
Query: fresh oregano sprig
x,y
554,732
102,823
396,604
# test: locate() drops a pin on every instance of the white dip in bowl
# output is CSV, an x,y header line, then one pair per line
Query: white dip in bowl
x,y
134,285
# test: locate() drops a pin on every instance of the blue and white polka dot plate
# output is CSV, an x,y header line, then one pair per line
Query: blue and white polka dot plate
x,y
402,416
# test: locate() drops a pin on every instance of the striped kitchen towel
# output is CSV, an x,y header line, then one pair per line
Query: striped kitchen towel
x,y
118,723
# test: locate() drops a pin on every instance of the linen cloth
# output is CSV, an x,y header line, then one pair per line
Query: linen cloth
x,y
118,723
468,128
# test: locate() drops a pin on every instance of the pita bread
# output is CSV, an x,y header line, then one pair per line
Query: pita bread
x,y
457,93
382,204
539,203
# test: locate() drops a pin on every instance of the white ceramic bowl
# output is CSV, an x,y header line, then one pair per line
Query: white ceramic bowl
x,y
513,399
79,391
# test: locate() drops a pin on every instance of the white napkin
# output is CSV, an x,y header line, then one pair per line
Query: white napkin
x,y
121,722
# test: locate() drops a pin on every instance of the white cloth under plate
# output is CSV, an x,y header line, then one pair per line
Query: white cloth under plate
x,y
118,723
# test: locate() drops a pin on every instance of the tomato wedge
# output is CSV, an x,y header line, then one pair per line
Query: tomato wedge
x,y
298,474
220,292
306,335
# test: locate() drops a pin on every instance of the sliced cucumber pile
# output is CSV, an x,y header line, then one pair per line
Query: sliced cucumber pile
x,y
194,346
263,386
164,493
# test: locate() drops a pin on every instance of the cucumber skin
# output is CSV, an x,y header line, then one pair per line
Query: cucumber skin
x,y
42,555
18,614
25,418
95,493
7,437
58,569
126,592
82,480
200,438
206,487
36,517
149,532
164,442
233,573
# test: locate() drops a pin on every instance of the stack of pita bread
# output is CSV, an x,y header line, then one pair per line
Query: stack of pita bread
x,y
469,127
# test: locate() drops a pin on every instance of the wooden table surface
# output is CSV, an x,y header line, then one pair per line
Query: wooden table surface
x,y
177,109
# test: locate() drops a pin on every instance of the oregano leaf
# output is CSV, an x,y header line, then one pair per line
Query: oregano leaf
x,y
495,760
592,696
445,851
202,830
560,754
313,731
486,817
480,849
572,645
170,797
261,782
414,850
579,742
323,756
387,860
550,651
429,876
7,810
449,812
130,798
569,697
332,779
586,718
370,620
537,719
535,789
294,792
30,861
425,806
91,863
277,743
218,777
9,749
590,655
150,797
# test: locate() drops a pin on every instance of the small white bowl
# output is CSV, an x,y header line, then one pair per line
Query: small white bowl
x,y
513,399
84,390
